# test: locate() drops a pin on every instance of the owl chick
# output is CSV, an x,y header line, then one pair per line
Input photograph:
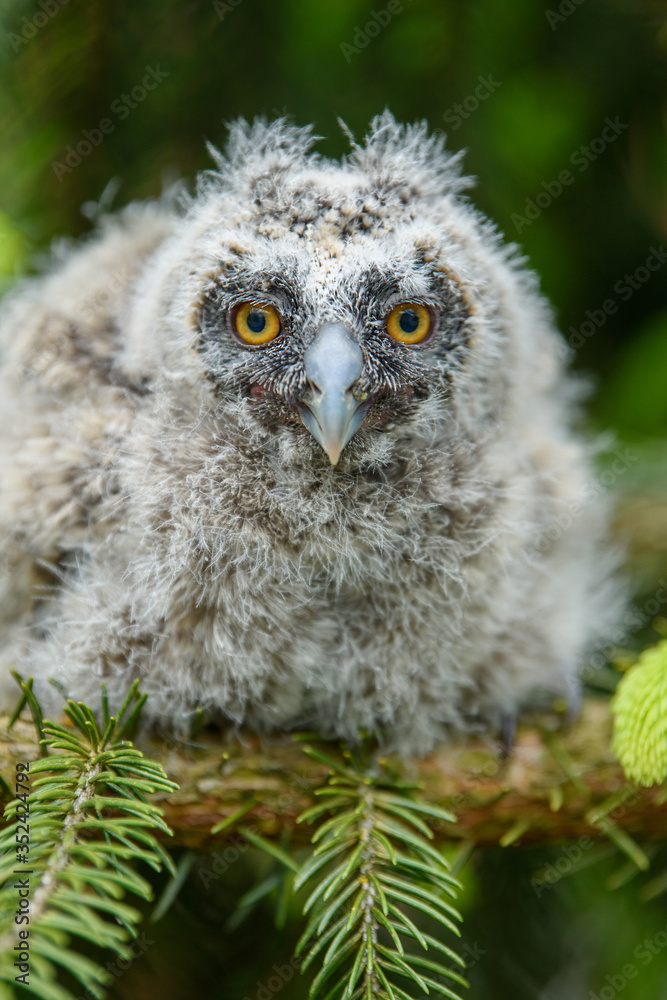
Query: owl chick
x,y
296,451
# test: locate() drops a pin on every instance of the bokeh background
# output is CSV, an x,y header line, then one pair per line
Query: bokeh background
x,y
532,91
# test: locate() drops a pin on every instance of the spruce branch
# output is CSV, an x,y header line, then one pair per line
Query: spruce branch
x,y
88,822
372,859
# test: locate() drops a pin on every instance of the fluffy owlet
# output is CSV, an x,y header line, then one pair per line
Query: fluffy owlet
x,y
297,451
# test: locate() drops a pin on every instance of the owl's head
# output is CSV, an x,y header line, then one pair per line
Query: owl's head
x,y
339,300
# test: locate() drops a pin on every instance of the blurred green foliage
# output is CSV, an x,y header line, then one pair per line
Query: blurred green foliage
x,y
528,89
556,78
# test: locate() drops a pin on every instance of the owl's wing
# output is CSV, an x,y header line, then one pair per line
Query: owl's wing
x,y
64,410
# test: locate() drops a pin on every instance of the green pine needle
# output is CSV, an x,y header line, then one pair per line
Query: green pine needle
x,y
89,821
640,708
372,859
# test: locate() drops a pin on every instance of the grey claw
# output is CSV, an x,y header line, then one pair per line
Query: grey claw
x,y
507,733
572,701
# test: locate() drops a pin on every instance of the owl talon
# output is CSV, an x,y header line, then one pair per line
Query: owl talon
x,y
573,703
507,733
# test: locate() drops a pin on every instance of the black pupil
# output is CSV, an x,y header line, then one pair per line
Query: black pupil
x,y
256,321
409,321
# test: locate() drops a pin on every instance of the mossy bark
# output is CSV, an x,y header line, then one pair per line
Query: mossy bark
x,y
553,786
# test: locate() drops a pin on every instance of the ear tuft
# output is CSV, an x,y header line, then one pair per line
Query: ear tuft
x,y
397,155
255,149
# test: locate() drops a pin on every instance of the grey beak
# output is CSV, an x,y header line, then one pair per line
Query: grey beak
x,y
333,364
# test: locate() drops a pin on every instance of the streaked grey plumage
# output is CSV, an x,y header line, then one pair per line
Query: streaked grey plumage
x,y
168,507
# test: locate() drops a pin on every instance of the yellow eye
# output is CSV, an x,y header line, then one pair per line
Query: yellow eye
x,y
255,324
409,323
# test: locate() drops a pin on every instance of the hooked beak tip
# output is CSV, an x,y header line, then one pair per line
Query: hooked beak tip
x,y
332,434
329,410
